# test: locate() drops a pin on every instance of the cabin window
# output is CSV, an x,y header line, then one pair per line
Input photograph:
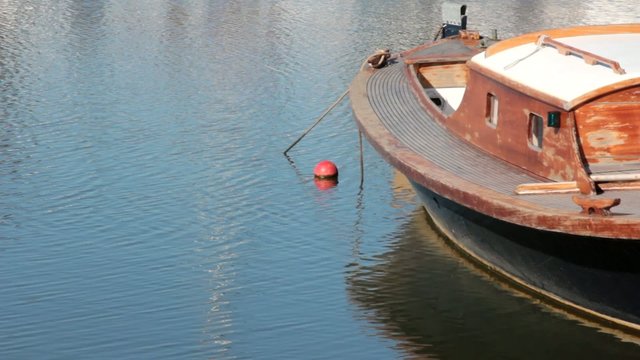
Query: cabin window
x,y
536,123
491,114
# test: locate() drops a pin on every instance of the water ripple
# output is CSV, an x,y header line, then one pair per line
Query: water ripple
x,y
146,209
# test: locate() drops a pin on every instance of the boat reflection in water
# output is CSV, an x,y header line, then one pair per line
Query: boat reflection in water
x,y
431,301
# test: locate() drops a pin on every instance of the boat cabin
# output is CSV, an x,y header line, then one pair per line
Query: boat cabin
x,y
562,104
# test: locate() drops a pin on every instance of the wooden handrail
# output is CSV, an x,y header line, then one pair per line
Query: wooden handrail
x,y
559,187
605,182
589,58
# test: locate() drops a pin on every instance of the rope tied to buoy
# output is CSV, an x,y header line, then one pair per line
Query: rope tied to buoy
x,y
379,58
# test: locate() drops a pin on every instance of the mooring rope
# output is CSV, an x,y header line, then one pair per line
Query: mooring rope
x,y
377,60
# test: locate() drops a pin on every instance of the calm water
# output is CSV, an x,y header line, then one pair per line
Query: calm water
x,y
146,210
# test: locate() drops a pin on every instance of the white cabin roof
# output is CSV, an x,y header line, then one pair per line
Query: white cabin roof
x,y
567,77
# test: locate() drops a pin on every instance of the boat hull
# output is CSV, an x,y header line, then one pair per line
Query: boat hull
x,y
596,277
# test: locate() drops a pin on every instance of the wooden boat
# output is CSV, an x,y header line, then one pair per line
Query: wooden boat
x,y
525,152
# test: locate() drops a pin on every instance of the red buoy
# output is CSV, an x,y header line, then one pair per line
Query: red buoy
x,y
325,169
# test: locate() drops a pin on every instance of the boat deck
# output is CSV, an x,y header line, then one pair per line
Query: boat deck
x,y
401,113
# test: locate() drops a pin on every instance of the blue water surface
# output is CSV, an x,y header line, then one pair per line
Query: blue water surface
x,y
147,211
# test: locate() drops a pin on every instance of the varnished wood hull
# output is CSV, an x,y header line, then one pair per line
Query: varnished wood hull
x,y
468,173
595,277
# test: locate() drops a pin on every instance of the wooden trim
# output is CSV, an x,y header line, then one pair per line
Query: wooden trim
x,y
620,185
589,58
560,187
434,59
616,177
428,105
559,33
605,90
585,183
564,187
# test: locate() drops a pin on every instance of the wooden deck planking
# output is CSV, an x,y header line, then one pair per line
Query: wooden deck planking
x,y
401,113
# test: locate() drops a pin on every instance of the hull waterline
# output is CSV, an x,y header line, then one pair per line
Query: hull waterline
x,y
593,277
